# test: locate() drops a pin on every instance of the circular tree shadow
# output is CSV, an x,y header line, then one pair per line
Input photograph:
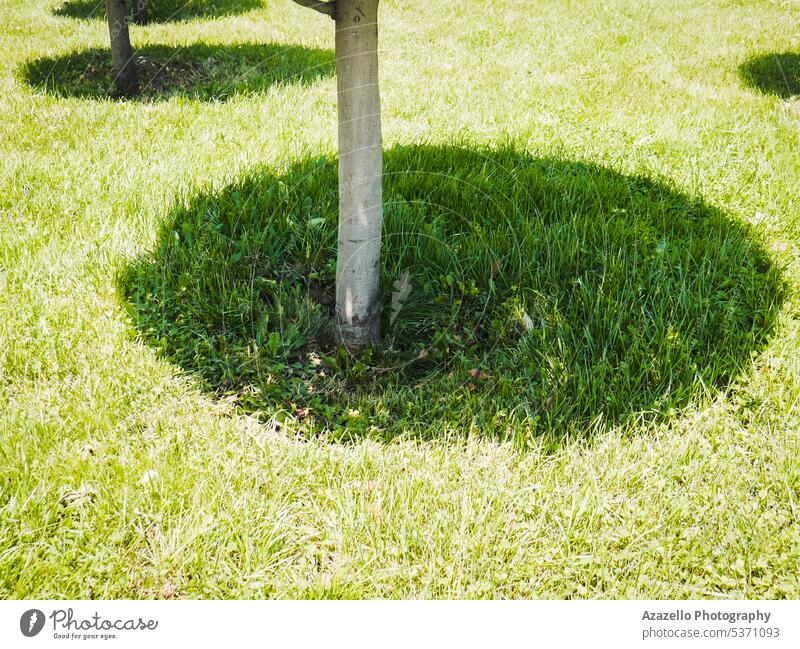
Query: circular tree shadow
x,y
773,74
198,71
162,10
521,296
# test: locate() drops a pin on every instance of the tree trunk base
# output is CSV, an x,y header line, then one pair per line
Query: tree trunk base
x,y
358,336
124,67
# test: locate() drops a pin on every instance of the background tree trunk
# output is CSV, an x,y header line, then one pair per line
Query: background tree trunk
x,y
123,66
360,168
139,13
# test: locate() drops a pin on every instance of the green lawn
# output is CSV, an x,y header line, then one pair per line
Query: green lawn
x,y
590,379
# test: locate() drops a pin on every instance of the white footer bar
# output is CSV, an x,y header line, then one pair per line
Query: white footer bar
x,y
407,624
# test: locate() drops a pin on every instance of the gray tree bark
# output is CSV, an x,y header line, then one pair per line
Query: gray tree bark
x,y
360,168
122,63
139,12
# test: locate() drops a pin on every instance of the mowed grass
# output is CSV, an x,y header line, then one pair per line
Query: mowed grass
x,y
591,372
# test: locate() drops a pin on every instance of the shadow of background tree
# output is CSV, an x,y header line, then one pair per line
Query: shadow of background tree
x,y
552,295
162,10
198,71
773,74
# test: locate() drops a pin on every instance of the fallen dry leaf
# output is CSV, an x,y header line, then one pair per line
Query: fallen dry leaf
x,y
402,289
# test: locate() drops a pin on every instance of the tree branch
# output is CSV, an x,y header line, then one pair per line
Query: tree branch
x,y
328,8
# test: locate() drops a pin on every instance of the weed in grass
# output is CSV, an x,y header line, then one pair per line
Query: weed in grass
x,y
522,296
196,71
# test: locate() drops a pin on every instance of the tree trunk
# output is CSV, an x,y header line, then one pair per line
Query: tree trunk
x,y
123,66
360,162
139,14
